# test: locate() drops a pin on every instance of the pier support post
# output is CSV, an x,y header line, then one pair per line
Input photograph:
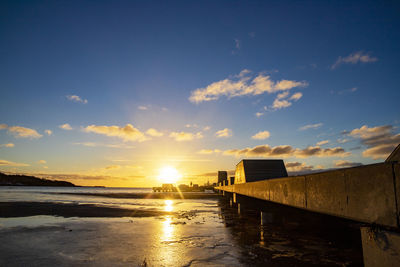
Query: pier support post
x,y
230,202
380,247
223,192
234,198
238,208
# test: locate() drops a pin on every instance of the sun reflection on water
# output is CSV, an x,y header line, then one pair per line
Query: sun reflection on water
x,y
168,229
168,205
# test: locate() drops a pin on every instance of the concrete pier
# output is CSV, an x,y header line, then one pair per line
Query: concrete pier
x,y
366,194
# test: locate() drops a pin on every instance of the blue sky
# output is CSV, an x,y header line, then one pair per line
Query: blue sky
x,y
299,72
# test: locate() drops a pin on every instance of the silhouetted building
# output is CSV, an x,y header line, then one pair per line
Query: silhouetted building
x,y
395,155
251,170
231,180
222,177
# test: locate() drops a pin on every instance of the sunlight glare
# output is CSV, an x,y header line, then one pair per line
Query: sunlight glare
x,y
168,205
169,175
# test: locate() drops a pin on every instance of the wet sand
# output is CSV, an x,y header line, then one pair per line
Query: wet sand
x,y
24,209
198,232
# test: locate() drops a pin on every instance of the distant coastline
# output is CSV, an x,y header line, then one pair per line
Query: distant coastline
x,y
25,180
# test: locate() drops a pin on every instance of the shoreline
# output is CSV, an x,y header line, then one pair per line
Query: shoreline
x,y
152,195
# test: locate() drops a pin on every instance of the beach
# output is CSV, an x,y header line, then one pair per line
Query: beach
x,y
97,227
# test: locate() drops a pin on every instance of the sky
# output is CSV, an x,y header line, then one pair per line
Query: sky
x,y
110,92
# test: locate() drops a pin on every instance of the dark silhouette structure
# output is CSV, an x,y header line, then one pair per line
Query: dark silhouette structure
x,y
251,170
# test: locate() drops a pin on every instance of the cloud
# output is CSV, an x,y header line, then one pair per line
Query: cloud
x,y
92,144
185,136
237,44
357,57
321,152
298,167
296,96
23,132
13,164
311,126
259,114
48,132
3,126
324,142
261,135
143,107
342,141
77,99
285,151
42,161
112,167
207,128
241,85
7,145
345,164
154,132
281,100
278,104
282,95
208,151
380,140
225,133
126,133
65,126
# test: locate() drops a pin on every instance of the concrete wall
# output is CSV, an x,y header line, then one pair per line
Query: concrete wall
x,y
365,193
380,248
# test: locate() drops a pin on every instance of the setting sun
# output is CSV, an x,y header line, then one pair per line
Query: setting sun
x,y
169,175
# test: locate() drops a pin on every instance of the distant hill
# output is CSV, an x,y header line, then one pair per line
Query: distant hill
x,y
29,181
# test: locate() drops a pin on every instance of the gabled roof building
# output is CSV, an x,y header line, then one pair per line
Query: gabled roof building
x,y
251,170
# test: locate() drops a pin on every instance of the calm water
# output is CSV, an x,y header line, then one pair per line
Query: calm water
x,y
204,232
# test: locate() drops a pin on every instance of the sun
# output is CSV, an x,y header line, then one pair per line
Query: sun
x,y
169,175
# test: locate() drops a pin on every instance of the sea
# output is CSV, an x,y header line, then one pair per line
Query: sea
x,y
210,231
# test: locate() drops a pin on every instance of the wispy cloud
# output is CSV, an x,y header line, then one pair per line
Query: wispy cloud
x,y
208,151
259,114
241,85
13,164
310,126
3,126
261,135
225,133
48,132
113,167
153,132
42,161
143,107
65,126
346,164
354,58
380,140
126,133
324,142
76,98
298,166
185,136
7,145
22,132
92,144
237,46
